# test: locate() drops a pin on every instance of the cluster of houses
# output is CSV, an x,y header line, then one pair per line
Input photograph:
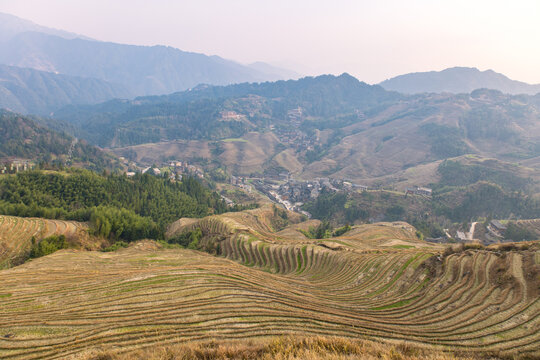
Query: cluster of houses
x,y
296,139
183,167
292,194
418,190
14,166
240,182
301,191
176,170
231,116
295,117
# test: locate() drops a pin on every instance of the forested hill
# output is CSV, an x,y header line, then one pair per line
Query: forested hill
x,y
22,137
32,91
325,126
118,207
199,113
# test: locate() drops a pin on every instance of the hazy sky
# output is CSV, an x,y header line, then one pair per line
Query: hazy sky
x,y
373,40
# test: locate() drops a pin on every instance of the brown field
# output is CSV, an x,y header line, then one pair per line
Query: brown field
x,y
376,284
241,156
16,234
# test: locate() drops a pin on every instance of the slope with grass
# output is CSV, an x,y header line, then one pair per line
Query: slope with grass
x,y
264,285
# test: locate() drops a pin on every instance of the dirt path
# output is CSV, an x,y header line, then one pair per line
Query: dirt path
x,y
470,234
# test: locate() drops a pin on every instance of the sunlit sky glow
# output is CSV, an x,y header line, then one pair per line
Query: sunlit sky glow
x,y
372,40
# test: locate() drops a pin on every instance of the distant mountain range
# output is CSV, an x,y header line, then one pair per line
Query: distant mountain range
x,y
49,68
11,26
142,70
457,80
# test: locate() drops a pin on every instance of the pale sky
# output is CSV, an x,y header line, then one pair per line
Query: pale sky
x,y
372,40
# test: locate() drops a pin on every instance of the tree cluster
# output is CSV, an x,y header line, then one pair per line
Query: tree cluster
x,y
116,206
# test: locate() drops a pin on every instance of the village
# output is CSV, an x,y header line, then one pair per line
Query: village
x,y
291,193
173,169
13,165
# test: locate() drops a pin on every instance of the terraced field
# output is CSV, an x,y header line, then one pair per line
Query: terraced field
x,y
532,225
16,234
259,285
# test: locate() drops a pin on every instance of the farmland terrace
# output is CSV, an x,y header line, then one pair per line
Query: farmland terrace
x,y
258,280
16,235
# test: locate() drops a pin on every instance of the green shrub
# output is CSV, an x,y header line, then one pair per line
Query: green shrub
x,y
115,224
48,245
342,230
188,239
515,232
323,231
116,246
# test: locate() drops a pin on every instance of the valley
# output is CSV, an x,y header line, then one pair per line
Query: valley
x,y
168,204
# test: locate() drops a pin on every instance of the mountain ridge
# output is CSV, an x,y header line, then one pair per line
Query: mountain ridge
x,y
457,80
11,25
143,70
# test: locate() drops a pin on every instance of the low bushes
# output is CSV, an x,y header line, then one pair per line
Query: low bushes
x,y
48,245
188,239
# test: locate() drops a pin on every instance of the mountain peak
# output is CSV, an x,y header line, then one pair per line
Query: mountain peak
x,y
11,26
457,80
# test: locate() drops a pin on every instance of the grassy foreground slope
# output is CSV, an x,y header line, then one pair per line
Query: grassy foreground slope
x,y
268,283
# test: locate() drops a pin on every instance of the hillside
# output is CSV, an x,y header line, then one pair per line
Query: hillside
x,y
325,126
378,283
26,90
457,80
213,113
428,128
22,137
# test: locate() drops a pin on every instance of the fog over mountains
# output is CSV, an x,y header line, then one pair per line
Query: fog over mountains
x,y
11,26
457,80
142,70
45,69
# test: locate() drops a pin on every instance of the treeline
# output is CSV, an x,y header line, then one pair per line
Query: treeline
x,y
117,207
24,137
485,199
515,232
337,207
454,173
324,231
428,215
